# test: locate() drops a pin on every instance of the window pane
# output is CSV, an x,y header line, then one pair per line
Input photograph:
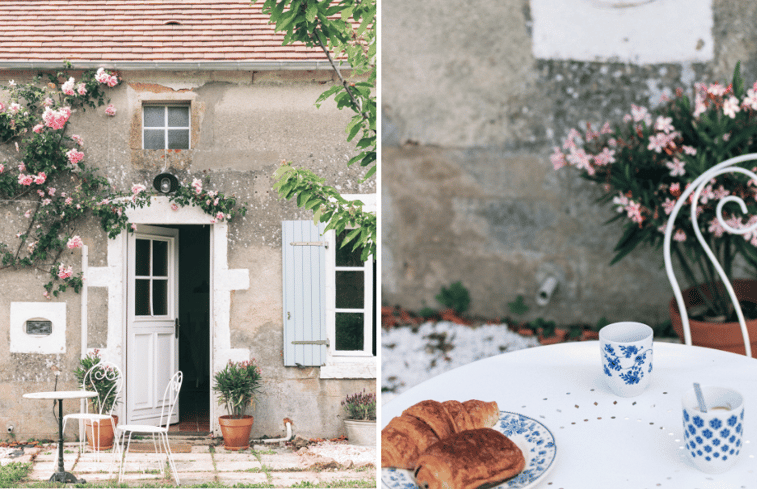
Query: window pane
x,y
178,116
142,258
159,259
349,289
155,139
160,297
345,257
155,116
349,331
178,139
142,298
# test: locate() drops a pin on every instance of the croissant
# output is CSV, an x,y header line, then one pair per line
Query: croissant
x,y
403,440
407,436
468,460
433,414
484,414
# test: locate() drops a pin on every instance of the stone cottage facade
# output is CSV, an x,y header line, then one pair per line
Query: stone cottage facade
x,y
210,81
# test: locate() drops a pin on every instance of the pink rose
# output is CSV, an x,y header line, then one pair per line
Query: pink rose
x,y
174,207
133,227
51,191
101,76
69,200
112,81
2,168
2,107
138,188
110,110
38,128
197,185
68,87
65,272
25,179
81,89
74,156
48,102
219,216
40,178
14,108
75,242
78,140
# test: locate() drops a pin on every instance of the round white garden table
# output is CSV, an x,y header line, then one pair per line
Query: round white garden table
x,y
602,440
60,474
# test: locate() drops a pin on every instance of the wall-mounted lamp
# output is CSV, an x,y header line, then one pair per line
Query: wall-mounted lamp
x,y
165,183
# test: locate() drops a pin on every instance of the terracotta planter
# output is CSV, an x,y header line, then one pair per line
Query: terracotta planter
x,y
721,336
361,432
236,432
101,436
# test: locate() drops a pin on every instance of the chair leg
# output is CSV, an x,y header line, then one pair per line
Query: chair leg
x,y
169,456
125,444
116,447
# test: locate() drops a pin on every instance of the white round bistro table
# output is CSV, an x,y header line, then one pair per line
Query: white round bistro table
x,y
602,440
60,474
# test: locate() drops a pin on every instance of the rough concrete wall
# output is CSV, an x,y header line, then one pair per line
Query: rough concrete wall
x,y
243,125
470,117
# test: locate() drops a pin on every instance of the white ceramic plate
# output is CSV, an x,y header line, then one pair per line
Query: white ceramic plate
x,y
533,438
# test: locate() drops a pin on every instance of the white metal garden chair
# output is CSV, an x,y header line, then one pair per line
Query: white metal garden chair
x,y
696,188
100,372
170,397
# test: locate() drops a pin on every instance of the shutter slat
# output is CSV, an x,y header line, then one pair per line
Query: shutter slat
x,y
304,282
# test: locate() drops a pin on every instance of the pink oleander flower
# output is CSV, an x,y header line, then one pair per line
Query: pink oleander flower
x,y
138,188
668,205
558,159
68,87
74,242
605,157
78,140
605,129
641,114
65,272
581,160
731,106
74,156
81,89
40,178
25,179
110,110
680,235
716,89
664,124
38,128
676,167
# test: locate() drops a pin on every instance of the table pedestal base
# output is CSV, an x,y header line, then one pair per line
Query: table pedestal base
x,y
66,478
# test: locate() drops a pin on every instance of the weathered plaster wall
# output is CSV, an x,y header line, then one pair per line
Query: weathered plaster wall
x,y
243,125
470,117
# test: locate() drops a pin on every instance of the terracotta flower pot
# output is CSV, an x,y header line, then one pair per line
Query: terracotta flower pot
x,y
236,432
721,336
100,438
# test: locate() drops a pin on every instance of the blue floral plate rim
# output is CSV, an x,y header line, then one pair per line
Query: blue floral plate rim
x,y
534,439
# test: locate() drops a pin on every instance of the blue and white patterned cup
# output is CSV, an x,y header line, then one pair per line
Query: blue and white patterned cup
x,y
713,440
626,349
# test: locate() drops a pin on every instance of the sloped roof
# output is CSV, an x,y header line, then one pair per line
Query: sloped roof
x,y
143,33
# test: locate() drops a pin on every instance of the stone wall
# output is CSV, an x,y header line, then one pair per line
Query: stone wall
x,y
469,118
243,125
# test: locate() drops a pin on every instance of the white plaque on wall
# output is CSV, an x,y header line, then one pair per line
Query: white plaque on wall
x,y
30,331
627,31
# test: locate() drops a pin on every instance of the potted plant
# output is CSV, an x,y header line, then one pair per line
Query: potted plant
x,y
643,164
103,403
360,418
236,386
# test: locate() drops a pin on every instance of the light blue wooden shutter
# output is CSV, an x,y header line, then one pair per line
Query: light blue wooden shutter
x,y
305,336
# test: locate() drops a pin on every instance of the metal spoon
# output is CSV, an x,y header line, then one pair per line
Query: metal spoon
x,y
700,397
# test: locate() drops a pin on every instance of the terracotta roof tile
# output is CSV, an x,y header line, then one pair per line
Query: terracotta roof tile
x,y
139,31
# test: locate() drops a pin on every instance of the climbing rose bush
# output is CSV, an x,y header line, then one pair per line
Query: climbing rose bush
x,y
645,162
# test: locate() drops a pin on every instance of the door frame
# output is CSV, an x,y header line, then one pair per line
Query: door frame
x,y
223,280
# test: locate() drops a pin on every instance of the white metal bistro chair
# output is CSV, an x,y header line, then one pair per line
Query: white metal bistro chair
x,y
107,376
170,397
696,188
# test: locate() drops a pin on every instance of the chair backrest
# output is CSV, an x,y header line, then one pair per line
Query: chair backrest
x,y
170,397
104,378
696,188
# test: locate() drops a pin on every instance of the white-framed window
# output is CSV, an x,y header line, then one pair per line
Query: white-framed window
x,y
329,301
166,126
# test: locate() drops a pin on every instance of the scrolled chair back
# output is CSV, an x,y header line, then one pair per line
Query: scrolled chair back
x,y
695,191
104,378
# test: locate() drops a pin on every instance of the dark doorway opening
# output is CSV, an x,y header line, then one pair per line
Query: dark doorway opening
x,y
194,330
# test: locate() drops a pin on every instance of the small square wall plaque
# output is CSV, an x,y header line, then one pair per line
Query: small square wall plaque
x,y
38,327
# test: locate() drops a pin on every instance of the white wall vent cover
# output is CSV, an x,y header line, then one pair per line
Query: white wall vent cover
x,y
22,342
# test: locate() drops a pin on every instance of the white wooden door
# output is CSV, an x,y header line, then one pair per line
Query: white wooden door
x,y
152,344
